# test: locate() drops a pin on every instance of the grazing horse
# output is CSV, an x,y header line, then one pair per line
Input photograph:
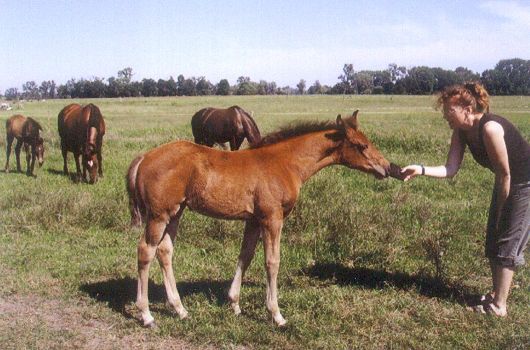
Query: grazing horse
x,y
27,132
81,129
216,125
259,185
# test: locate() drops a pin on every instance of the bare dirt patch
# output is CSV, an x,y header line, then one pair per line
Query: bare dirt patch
x,y
36,322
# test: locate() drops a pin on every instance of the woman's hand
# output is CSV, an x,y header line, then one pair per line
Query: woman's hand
x,y
410,171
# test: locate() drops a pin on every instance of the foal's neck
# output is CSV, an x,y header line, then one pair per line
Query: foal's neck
x,y
311,153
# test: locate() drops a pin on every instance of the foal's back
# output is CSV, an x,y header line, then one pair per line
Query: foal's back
x,y
14,125
214,182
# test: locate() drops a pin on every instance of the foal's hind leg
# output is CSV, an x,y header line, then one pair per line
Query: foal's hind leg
x,y
154,229
9,139
165,256
29,163
248,247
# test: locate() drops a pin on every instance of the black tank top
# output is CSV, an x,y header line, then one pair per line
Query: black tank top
x,y
517,147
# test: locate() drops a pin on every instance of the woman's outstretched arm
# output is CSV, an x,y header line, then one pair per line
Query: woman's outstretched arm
x,y
451,167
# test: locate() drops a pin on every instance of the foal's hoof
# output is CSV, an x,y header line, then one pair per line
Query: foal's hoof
x,y
279,320
151,324
183,314
236,308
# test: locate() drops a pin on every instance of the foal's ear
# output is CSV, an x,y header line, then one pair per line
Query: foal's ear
x,y
340,122
354,115
352,121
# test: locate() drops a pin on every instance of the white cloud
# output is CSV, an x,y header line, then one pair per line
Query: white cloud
x,y
515,12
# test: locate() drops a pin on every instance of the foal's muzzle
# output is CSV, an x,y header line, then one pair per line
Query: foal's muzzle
x,y
395,172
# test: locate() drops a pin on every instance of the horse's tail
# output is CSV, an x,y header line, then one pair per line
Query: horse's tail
x,y
136,204
250,127
196,124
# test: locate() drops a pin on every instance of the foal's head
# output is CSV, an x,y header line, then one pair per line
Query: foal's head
x,y
357,152
39,150
91,162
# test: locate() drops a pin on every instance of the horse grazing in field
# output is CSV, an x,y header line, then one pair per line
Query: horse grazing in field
x,y
81,129
27,132
259,185
216,125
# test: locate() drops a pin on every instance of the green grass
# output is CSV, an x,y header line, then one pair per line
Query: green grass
x,y
365,263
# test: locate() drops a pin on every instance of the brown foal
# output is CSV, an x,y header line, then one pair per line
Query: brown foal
x,y
259,185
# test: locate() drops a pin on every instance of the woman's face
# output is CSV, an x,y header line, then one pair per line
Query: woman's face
x,y
456,115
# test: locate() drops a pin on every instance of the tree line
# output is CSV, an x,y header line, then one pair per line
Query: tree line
x,y
509,77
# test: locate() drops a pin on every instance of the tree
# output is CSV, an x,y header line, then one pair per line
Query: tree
x,y
348,83
163,88
12,94
30,90
419,81
301,87
364,81
47,89
262,88
271,88
204,87
243,79
465,74
113,87
444,78
514,76
246,87
223,88
149,88
172,86
396,73
125,75
135,88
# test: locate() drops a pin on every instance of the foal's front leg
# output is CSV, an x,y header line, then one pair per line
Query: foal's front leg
x,y
248,247
30,158
100,158
146,253
77,166
64,152
18,147
271,244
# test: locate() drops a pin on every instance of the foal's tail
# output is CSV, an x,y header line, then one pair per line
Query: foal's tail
x,y
250,127
136,204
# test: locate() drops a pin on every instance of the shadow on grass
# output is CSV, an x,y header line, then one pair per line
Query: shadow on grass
x,y
13,172
71,175
378,279
118,293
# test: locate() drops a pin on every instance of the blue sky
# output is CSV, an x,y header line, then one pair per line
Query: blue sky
x,y
282,41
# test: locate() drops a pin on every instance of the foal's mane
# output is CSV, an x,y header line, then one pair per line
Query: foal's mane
x,y
95,115
295,129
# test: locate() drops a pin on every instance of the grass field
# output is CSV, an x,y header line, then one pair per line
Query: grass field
x,y
365,263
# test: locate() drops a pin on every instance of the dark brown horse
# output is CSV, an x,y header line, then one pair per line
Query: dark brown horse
x,y
216,125
259,185
81,130
27,132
